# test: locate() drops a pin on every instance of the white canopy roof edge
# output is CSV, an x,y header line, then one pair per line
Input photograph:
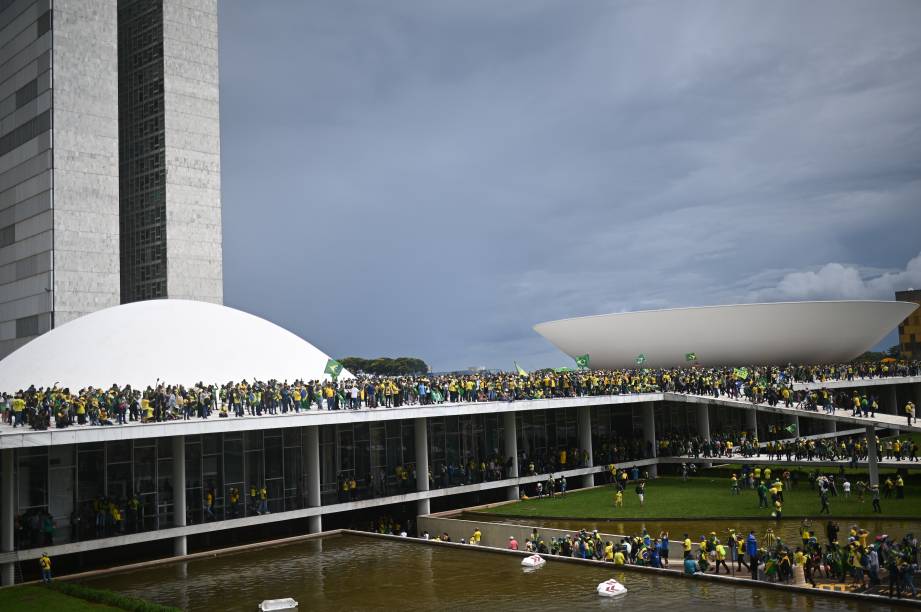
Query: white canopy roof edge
x,y
740,334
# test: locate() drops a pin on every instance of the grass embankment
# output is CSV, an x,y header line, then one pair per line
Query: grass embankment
x,y
67,597
701,497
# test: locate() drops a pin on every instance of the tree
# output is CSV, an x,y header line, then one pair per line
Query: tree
x,y
385,366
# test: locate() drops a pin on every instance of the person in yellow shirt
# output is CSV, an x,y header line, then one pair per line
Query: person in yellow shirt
x,y
778,484
619,499
619,558
44,563
609,552
687,544
720,558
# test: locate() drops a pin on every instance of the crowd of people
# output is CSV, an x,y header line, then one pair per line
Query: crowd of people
x,y
769,558
41,407
855,557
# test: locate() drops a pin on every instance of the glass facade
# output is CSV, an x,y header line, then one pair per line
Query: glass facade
x,y
466,449
379,457
142,160
77,492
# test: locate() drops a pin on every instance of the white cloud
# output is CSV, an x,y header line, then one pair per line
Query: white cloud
x,y
843,281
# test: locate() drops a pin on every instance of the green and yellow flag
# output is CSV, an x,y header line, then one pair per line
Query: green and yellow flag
x,y
740,373
582,362
640,359
521,371
690,356
791,428
333,368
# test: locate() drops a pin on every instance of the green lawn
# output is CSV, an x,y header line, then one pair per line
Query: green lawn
x,y
29,598
701,497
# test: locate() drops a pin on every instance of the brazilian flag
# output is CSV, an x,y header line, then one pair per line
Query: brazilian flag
x,y
437,397
690,356
791,428
582,362
521,371
740,373
640,359
333,368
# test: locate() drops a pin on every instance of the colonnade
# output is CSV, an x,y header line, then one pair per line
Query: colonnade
x,y
312,464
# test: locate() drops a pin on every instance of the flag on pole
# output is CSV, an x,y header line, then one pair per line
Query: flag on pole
x,y
333,368
582,362
791,428
640,359
690,356
521,371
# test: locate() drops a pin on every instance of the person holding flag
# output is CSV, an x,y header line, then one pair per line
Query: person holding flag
x,y
582,362
333,368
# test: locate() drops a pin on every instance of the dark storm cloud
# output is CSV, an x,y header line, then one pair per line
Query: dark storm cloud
x,y
433,178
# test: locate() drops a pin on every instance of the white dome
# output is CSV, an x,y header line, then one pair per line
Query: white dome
x,y
175,341
741,334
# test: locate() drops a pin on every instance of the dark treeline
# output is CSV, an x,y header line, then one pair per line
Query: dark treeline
x,y
386,366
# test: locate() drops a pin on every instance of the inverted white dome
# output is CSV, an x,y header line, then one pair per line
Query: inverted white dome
x,y
742,334
175,341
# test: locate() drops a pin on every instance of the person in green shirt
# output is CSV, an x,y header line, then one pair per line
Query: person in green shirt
x,y
762,495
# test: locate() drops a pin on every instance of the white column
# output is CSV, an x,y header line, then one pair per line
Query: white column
x,y
703,427
510,430
312,458
423,506
179,542
649,434
7,512
872,455
584,419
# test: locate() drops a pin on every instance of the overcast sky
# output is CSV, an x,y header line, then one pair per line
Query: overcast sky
x,y
433,178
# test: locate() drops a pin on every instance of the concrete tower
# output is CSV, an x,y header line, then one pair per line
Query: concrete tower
x,y
109,158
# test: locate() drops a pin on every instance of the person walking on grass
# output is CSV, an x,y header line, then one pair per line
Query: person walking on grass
x,y
641,492
762,495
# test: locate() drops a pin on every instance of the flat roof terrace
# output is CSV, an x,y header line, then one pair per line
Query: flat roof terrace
x,y
80,434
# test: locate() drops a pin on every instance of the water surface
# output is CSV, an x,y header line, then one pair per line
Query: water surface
x,y
352,572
